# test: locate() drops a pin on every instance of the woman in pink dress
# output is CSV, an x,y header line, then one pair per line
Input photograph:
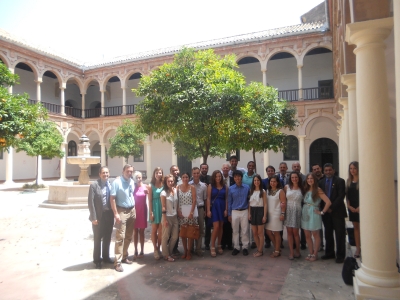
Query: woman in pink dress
x,y
140,194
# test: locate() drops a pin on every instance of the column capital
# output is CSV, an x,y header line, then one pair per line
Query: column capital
x,y
299,66
263,70
368,32
39,80
349,80
301,136
344,102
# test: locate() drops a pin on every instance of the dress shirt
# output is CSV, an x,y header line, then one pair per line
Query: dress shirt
x,y
243,170
105,189
123,191
248,179
201,192
237,197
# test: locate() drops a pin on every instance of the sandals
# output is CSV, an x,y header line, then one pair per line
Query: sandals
x,y
258,254
313,257
308,257
297,256
275,254
156,255
212,251
189,255
169,259
220,251
135,255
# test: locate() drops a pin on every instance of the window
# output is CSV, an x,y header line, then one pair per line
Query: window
x,y
291,148
325,88
237,153
72,148
139,158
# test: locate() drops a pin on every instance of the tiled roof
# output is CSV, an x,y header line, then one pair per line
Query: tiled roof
x,y
233,40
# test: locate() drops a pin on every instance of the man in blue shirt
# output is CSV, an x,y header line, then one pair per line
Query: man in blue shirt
x,y
123,206
237,212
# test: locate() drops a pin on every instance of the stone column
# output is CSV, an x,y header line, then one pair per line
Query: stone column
x,y
300,75
83,105
302,152
343,145
264,72
62,95
350,81
378,276
266,163
38,90
344,133
102,103
147,155
9,166
63,162
340,135
103,154
123,100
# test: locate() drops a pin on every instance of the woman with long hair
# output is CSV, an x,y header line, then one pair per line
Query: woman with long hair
x,y
217,208
311,220
258,213
294,197
169,202
186,204
276,214
353,203
155,188
140,193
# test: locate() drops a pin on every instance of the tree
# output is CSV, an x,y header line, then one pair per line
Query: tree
x,y
263,117
44,139
127,141
186,102
18,118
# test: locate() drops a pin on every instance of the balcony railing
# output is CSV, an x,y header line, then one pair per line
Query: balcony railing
x,y
89,113
316,93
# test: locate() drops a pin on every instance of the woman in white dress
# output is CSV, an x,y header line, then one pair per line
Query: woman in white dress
x,y
294,197
276,214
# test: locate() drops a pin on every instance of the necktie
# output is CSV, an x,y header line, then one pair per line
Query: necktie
x,y
327,187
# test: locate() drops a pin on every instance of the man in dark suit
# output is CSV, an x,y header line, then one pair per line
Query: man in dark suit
x,y
101,216
334,219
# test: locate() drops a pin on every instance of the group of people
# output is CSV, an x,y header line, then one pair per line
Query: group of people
x,y
223,205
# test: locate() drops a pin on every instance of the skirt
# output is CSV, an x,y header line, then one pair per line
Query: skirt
x,y
257,214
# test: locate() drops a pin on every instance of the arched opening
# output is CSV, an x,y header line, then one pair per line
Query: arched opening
x,y
282,74
26,82
317,74
71,109
322,151
93,94
131,99
291,148
72,149
251,69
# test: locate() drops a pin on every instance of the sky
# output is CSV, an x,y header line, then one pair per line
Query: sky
x,y
91,30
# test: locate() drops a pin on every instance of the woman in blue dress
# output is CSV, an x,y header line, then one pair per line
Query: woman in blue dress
x,y
217,208
311,215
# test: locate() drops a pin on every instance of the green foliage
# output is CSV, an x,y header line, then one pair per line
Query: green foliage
x,y
17,116
127,140
263,116
33,186
188,101
44,139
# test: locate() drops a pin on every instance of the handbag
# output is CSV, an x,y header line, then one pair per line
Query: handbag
x,y
349,267
190,231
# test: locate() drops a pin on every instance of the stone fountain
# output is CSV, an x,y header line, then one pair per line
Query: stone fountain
x,y
73,195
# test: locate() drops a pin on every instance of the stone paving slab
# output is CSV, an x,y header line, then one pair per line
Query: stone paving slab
x,y
47,253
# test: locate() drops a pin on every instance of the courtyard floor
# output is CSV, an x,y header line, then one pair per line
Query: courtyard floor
x,y
47,254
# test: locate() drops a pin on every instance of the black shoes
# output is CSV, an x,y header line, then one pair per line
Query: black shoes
x,y
98,265
339,260
331,256
235,251
253,245
245,252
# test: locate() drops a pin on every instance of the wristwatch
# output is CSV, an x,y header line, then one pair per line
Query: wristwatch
x,y
322,213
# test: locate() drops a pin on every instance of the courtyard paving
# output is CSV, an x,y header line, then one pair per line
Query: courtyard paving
x,y
47,253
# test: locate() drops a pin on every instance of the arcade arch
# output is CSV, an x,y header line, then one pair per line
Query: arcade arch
x,y
250,67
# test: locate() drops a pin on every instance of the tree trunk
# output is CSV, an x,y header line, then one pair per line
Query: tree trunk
x,y
126,160
254,159
205,158
37,170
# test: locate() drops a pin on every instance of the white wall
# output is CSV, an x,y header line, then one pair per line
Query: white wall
x,y
317,67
